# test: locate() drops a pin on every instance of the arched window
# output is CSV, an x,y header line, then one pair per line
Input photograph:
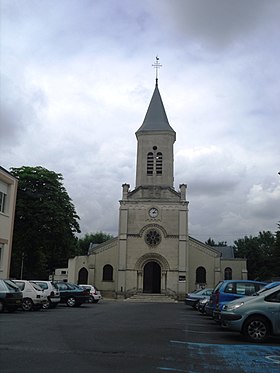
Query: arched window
x,y
200,275
228,273
159,163
107,273
150,163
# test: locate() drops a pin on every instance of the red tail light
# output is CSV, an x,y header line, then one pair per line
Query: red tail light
x,y
217,297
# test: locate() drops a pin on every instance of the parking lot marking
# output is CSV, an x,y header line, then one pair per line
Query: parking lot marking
x,y
274,358
173,370
232,358
198,332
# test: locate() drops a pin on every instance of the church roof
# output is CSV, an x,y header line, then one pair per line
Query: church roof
x,y
156,118
227,252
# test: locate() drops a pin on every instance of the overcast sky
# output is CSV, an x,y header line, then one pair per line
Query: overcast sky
x,y
77,79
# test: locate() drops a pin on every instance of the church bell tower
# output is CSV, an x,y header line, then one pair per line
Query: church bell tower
x,y
153,219
155,146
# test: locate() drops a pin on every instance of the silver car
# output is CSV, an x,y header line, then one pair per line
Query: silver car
x,y
256,317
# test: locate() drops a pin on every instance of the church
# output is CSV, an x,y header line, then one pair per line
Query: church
x,y
153,252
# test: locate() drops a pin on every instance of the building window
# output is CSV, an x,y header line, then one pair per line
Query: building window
x,y
107,273
3,198
228,273
201,275
150,163
159,163
152,237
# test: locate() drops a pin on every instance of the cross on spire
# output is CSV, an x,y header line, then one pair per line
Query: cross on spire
x,y
157,66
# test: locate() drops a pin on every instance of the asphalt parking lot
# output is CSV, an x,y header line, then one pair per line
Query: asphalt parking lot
x,y
120,337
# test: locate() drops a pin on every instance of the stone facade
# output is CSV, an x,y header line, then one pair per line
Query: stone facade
x,y
153,252
8,193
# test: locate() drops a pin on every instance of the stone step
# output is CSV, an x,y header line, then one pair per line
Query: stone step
x,y
149,298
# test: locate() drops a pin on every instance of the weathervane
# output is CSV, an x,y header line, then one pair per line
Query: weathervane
x,y
157,66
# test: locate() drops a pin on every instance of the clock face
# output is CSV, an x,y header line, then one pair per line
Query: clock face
x,y
153,212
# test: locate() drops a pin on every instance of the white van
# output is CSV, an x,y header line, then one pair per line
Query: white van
x,y
33,296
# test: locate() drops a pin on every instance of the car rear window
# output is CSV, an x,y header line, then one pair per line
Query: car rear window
x,y
11,285
36,287
42,285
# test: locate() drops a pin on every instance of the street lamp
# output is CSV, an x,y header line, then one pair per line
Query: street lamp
x,y
21,267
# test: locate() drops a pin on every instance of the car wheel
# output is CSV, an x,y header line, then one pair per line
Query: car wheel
x,y
256,329
71,302
91,299
95,301
27,304
47,305
1,307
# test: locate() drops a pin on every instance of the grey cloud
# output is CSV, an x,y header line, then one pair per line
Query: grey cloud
x,y
18,109
217,22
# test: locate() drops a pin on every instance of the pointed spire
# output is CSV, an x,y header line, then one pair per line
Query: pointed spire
x,y
156,118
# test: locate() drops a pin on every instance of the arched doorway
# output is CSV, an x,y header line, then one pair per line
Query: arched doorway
x,y
152,278
83,276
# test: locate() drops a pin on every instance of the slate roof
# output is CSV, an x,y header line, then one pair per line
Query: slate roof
x,y
156,118
226,251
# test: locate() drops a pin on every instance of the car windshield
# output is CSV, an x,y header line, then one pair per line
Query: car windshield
x,y
267,287
217,287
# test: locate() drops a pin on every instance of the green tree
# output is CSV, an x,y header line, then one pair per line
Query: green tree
x,y
45,224
95,238
261,254
211,242
276,254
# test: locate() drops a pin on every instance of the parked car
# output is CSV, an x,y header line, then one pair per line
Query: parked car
x,y
95,294
71,294
202,304
51,291
256,317
33,296
10,296
193,298
228,290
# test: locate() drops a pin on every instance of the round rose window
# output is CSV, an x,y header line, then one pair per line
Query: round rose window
x,y
152,237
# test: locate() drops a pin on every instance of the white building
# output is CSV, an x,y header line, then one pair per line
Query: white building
x,y
8,193
153,252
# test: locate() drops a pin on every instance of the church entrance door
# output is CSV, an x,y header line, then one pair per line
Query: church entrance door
x,y
83,276
152,277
